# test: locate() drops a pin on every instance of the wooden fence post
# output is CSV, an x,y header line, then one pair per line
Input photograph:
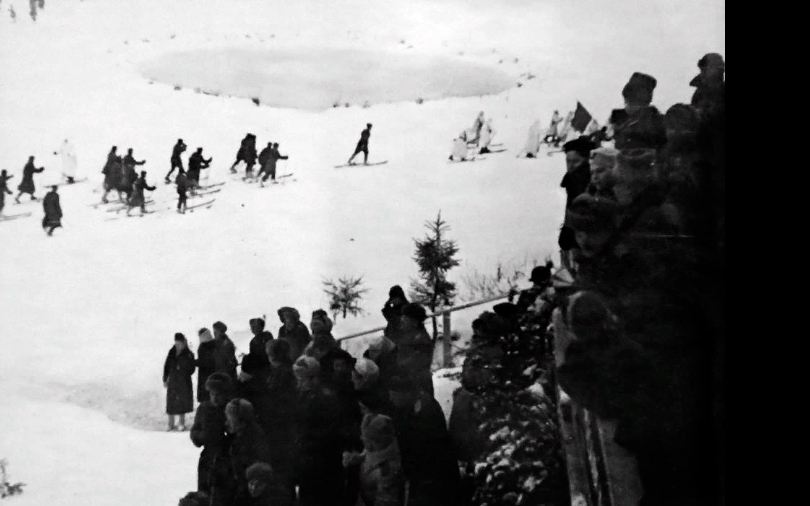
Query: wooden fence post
x,y
447,347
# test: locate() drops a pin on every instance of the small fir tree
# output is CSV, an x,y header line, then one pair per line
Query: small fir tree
x,y
435,256
345,295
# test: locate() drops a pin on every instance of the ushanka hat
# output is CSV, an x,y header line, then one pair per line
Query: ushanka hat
x,y
639,89
581,145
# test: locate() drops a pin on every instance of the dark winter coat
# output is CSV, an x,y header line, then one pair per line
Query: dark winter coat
x,y
196,163
247,448
275,494
463,426
137,198
428,457
256,360
269,164
392,312
388,364
27,183
277,419
415,355
576,182
320,346
206,366
643,128
113,172
208,432
182,183
53,211
130,162
177,150
177,371
364,137
225,356
298,338
4,189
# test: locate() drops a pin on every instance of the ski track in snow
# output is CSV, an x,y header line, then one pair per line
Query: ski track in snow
x,y
89,313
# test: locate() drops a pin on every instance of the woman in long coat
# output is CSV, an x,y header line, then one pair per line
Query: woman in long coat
x,y
206,362
177,372
27,183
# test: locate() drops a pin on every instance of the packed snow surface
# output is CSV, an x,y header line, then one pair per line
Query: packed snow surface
x,y
88,315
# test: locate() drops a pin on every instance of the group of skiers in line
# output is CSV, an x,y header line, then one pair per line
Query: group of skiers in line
x,y
641,338
301,421
267,159
478,137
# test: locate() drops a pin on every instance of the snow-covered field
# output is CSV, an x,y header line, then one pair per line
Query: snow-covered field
x,y
87,316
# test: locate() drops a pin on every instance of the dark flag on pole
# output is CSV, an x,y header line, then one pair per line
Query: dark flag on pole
x,y
581,118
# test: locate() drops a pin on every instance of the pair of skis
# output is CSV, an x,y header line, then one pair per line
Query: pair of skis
x,y
361,164
11,217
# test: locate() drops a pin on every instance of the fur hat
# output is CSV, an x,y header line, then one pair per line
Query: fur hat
x,y
368,372
604,157
415,311
257,321
581,145
541,273
682,118
589,213
260,471
639,89
221,327
379,429
635,165
396,291
506,310
290,310
278,350
219,382
711,60
491,324
307,366
321,321
205,335
179,337
243,410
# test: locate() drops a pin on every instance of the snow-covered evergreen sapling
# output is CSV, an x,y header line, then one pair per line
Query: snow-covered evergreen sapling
x,y
435,256
345,295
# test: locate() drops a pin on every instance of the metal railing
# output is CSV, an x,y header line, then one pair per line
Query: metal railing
x,y
445,336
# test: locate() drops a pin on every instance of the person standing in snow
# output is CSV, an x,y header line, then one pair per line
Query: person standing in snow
x,y
247,154
176,161
322,340
270,166
575,182
206,362
487,132
4,177
196,162
137,199
293,331
27,183
226,351
478,124
459,153
362,145
182,186
248,446
130,176
415,347
112,173
533,141
208,430
552,134
177,371
392,311
53,211
69,163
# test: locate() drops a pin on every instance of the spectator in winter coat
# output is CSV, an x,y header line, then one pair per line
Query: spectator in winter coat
x,y
266,487
384,353
575,182
639,124
392,310
137,199
256,361
541,281
710,85
684,181
371,393
206,362
319,438
249,446
382,481
4,177
322,340
226,351
27,183
428,457
593,221
415,347
176,161
278,418
53,211
177,371
293,331
208,430
602,162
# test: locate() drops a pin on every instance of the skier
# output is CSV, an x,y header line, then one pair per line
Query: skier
x,y
112,173
264,156
478,124
247,154
27,183
4,177
269,168
362,145
552,136
459,153
196,162
137,199
53,211
68,155
182,186
485,137
533,141
33,11
177,162
130,175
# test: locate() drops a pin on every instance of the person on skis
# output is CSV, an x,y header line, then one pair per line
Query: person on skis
x,y
112,174
182,186
130,175
177,162
485,137
247,154
53,211
264,156
196,163
533,141
552,134
362,145
69,164
459,153
478,124
4,177
137,199
27,183
269,168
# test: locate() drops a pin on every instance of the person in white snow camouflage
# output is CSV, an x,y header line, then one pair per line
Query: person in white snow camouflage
x,y
69,164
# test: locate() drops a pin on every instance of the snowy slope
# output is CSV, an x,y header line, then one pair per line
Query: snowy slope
x,y
88,315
